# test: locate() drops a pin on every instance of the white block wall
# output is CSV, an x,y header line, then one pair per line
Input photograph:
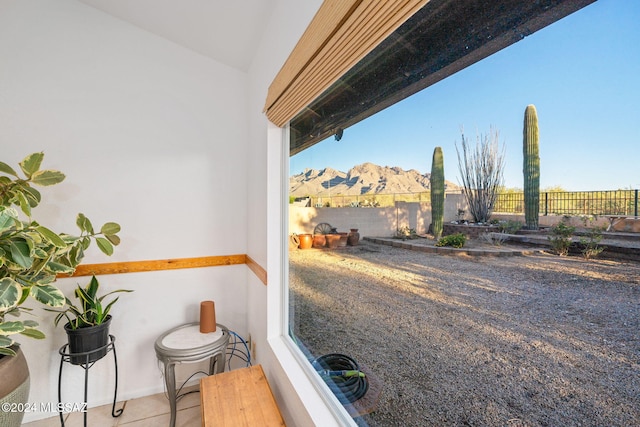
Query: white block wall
x,y
150,135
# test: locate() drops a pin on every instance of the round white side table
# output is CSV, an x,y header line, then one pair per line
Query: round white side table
x,y
186,343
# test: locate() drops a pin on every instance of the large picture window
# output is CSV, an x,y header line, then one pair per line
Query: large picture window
x,y
328,319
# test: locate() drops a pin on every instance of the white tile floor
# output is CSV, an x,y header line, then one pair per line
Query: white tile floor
x,y
149,411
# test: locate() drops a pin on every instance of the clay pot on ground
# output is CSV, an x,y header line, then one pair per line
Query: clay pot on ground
x,y
353,238
343,240
333,240
306,241
319,241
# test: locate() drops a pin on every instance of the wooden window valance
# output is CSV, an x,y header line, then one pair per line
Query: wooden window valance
x,y
341,33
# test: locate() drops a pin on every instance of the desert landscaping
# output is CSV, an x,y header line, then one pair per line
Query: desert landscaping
x,y
533,340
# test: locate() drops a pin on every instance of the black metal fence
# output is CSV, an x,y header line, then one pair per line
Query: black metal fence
x,y
617,202
368,200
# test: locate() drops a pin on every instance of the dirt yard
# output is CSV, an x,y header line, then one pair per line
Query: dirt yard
x,y
536,340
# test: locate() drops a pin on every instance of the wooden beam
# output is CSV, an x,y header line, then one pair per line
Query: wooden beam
x,y
157,265
257,269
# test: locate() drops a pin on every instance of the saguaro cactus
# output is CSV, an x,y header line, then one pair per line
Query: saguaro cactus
x,y
531,168
437,192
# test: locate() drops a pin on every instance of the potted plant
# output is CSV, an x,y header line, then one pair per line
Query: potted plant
x,y
88,323
31,258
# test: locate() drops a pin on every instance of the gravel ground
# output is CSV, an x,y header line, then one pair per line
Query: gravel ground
x,y
536,340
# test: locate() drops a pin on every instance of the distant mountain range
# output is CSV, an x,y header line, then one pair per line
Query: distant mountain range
x,y
366,178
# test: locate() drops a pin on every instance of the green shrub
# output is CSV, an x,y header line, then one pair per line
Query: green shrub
x,y
510,226
561,237
590,242
454,240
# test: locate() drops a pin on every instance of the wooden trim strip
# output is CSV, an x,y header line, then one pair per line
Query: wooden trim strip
x,y
257,270
157,265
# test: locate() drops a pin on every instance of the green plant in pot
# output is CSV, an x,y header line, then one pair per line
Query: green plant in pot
x,y
88,322
31,258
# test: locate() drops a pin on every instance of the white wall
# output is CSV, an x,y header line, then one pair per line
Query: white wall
x,y
150,135
374,222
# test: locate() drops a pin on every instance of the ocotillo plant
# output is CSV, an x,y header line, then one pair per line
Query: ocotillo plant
x,y
531,168
481,171
437,192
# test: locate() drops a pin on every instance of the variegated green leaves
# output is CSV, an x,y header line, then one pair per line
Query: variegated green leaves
x,y
11,295
106,238
32,255
19,191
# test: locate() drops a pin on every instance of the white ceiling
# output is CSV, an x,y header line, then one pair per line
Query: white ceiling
x,y
225,30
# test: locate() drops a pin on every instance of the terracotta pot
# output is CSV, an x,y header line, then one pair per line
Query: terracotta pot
x,y
306,241
207,317
333,240
354,237
343,240
14,387
319,241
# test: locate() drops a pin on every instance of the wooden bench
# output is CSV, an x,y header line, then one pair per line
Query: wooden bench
x,y
237,398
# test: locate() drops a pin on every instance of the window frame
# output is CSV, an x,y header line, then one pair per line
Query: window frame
x,y
318,400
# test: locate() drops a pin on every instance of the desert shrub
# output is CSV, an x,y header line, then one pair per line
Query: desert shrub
x,y
496,239
590,242
510,226
560,237
456,240
405,233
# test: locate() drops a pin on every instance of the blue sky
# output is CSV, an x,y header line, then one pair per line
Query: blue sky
x,y
583,75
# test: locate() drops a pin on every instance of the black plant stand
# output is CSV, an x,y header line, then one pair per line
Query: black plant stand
x,y
66,357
